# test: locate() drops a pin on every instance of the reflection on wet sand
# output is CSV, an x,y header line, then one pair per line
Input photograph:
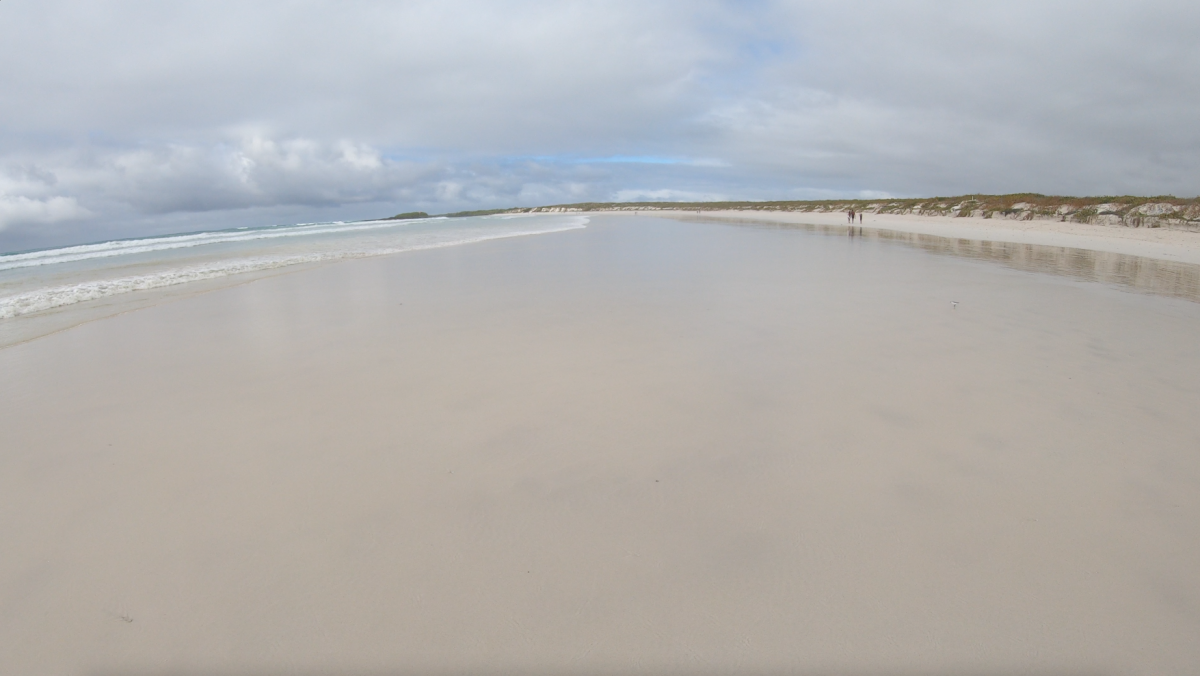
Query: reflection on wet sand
x,y
1147,275
645,446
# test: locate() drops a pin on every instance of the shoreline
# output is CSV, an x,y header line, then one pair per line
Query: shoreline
x,y
34,304
1178,246
1160,245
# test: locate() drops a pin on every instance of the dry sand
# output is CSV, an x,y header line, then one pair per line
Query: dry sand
x,y
645,447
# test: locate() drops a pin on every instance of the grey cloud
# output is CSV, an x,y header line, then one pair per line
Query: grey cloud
x,y
473,76
943,97
124,115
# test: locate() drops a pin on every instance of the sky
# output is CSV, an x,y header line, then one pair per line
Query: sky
x,y
123,118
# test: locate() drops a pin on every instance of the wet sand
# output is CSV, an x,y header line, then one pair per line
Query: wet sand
x,y
642,447
1155,243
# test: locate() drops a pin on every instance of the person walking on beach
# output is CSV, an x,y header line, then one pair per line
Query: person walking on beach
x,y
860,219
851,215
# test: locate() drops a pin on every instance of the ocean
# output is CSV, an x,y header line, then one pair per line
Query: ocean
x,y
37,288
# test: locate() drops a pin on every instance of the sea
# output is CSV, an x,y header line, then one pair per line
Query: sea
x,y
45,290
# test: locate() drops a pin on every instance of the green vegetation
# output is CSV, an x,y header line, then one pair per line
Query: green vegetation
x,y
407,215
1128,210
481,212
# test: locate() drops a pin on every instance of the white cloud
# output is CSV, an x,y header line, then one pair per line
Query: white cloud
x,y
667,195
252,171
21,210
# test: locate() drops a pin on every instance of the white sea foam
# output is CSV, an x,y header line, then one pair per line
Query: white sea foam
x,y
52,297
135,246
69,294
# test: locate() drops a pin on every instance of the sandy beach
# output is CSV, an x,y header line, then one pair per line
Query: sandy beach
x,y
651,445
1156,243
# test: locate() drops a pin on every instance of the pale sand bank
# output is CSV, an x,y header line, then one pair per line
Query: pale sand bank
x,y
646,446
1170,245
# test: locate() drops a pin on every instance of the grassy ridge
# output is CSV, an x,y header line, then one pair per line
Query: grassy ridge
x,y
1127,210
963,205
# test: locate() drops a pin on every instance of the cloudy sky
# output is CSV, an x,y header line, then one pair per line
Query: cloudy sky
x,y
128,117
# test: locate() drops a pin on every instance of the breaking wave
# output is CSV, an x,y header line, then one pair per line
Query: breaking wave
x,y
56,296
135,246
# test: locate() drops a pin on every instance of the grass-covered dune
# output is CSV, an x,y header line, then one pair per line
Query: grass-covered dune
x,y
1126,210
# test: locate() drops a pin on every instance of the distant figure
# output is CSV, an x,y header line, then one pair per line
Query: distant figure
x,y
851,215
860,219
